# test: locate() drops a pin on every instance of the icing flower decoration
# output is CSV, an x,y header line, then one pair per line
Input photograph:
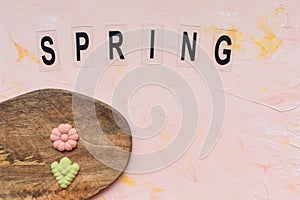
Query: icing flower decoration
x,y
65,171
64,137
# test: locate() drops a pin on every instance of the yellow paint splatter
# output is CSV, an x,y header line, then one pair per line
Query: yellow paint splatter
x,y
153,195
286,142
22,52
279,10
211,28
264,89
237,37
164,135
120,70
268,43
234,33
127,180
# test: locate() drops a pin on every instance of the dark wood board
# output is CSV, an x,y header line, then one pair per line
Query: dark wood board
x,y
26,151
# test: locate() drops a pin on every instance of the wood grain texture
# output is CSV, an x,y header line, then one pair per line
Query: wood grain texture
x,y
26,151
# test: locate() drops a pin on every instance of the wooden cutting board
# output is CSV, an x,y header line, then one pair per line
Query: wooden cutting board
x,y
26,151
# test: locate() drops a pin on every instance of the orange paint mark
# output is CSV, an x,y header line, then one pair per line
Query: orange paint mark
x,y
280,98
157,189
295,124
292,187
3,95
265,167
127,180
241,144
268,43
22,52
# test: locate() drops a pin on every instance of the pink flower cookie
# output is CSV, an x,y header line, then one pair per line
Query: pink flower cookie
x,y
64,137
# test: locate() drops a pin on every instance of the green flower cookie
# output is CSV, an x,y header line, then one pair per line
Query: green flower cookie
x,y
64,171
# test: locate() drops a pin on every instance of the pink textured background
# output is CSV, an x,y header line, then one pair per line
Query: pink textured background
x,y
258,155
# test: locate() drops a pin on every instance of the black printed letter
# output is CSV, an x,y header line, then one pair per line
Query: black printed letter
x,y
185,42
152,44
115,45
227,52
79,46
48,50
